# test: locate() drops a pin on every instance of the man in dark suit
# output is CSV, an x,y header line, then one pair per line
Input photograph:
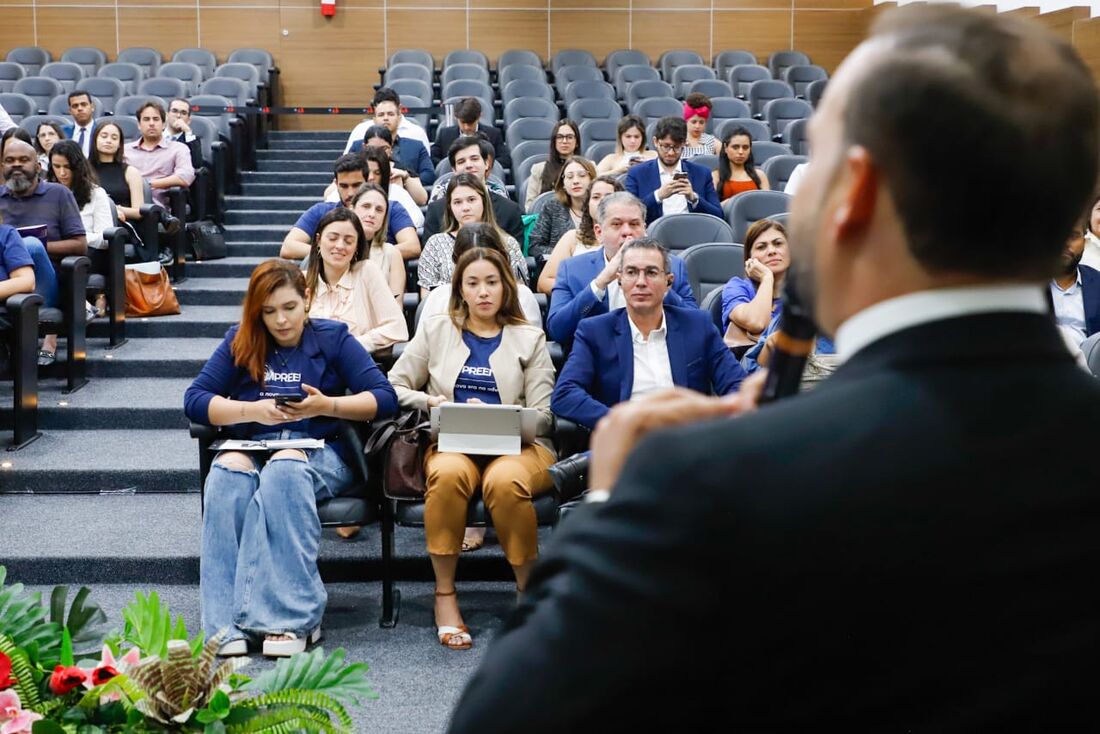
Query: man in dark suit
x,y
893,550
644,347
669,185
1075,292
468,115
474,155
588,284
178,125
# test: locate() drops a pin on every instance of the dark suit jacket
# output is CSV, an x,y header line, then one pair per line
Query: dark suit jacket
x,y
911,546
600,370
448,135
195,146
572,298
1090,293
507,213
644,179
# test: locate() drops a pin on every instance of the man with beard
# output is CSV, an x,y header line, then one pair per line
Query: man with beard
x,y
26,201
893,550
1075,292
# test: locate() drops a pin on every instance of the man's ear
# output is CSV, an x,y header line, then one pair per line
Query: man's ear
x,y
597,230
858,206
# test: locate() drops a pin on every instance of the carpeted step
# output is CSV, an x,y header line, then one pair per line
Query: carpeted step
x,y
257,232
261,250
165,357
234,266
105,403
310,177
193,321
295,201
335,147
291,168
316,190
284,135
299,154
98,461
211,292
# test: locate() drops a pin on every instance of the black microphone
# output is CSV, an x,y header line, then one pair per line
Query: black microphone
x,y
793,343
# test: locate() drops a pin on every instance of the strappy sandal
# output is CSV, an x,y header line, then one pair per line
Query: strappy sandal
x,y
292,645
473,542
45,359
454,638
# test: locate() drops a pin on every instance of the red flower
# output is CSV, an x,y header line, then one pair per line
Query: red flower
x,y
102,674
65,679
6,681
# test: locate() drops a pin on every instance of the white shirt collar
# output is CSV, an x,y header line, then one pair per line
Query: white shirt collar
x,y
636,333
1073,286
912,309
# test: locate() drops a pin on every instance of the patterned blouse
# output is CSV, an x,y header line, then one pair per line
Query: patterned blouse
x,y
554,221
705,147
437,263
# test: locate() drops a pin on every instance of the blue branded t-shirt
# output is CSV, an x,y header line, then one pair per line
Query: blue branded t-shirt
x,y
399,219
283,375
475,379
13,255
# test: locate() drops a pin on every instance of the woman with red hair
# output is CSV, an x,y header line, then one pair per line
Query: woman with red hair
x,y
278,375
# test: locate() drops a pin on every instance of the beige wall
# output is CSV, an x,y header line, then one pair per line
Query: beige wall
x,y
335,61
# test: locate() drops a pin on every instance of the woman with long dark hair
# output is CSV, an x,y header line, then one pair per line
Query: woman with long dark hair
x,y
565,140
48,133
737,170
372,207
121,181
566,210
750,303
582,239
277,375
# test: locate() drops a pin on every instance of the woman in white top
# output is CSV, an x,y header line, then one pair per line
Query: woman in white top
x,y
71,169
582,239
630,148
565,141
372,207
344,286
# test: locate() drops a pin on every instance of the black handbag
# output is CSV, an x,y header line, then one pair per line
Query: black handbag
x,y
402,440
207,240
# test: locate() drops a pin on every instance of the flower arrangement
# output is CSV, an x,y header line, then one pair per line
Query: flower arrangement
x,y
60,675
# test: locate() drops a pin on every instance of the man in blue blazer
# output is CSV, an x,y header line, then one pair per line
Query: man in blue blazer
x,y
1074,295
668,185
645,347
588,284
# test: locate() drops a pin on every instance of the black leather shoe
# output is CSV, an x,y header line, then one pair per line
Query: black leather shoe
x,y
171,224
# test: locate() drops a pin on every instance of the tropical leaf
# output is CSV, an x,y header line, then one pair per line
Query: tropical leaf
x,y
297,697
23,674
23,619
149,626
83,621
312,671
285,720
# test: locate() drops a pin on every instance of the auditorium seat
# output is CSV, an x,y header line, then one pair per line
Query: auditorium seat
x,y
795,136
248,74
165,87
541,201
646,89
65,72
571,57
411,88
627,75
518,88
684,75
18,105
522,171
587,89
757,129
624,57
521,131
69,322
712,304
468,88
725,108
669,60
749,206
130,74
678,232
518,57
801,76
106,91
453,72
710,265
726,60
593,131
530,107
39,88
597,150
10,73
30,123
707,160
31,58
192,75
201,57
520,71
780,61
713,88
407,70
411,56
763,150
567,74
88,58
654,108
1091,349
779,113
594,108
814,90
21,311
466,56
778,169
742,76
145,58
764,91
231,88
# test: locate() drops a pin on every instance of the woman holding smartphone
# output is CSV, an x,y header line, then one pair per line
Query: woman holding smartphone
x,y
277,375
630,148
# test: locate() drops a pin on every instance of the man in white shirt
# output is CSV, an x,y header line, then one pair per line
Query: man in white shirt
x,y
895,549
388,113
1075,292
82,110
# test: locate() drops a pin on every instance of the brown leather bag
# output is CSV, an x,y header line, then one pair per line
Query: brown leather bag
x,y
148,291
403,441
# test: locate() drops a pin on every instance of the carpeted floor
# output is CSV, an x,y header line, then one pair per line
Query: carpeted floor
x,y
416,679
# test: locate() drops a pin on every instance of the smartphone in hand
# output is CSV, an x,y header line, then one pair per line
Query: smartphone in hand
x,y
286,399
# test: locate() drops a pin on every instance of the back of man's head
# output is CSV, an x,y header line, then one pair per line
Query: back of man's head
x,y
984,128
347,163
468,110
466,141
673,128
385,94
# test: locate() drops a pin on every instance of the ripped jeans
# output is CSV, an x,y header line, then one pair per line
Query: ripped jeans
x,y
260,538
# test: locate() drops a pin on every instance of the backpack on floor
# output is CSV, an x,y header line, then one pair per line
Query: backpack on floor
x,y
207,240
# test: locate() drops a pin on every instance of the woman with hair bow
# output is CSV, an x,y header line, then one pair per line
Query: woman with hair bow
x,y
697,109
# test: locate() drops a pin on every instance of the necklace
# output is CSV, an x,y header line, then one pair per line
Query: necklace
x,y
285,359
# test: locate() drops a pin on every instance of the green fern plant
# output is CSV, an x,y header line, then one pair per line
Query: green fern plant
x,y
326,706
149,627
313,671
26,682
287,720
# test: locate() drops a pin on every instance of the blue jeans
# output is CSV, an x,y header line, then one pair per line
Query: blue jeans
x,y
260,538
45,277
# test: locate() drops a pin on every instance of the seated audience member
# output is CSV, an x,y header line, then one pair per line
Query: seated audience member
x,y
179,129
82,110
564,212
697,109
565,139
469,236
6,123
820,363
467,117
475,157
644,347
582,239
1091,257
351,172
482,350
26,200
48,133
260,533
162,162
379,136
668,185
467,201
380,171
387,112
121,181
630,148
70,168
796,180
16,133
345,286
16,276
751,302
737,171
372,207
1075,292
408,154
588,284
471,159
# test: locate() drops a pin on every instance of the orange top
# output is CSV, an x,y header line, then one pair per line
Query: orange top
x,y
732,188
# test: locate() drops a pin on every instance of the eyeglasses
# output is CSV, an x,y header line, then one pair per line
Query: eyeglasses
x,y
649,274
181,113
565,138
674,148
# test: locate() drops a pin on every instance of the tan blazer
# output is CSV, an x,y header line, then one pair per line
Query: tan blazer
x,y
521,366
